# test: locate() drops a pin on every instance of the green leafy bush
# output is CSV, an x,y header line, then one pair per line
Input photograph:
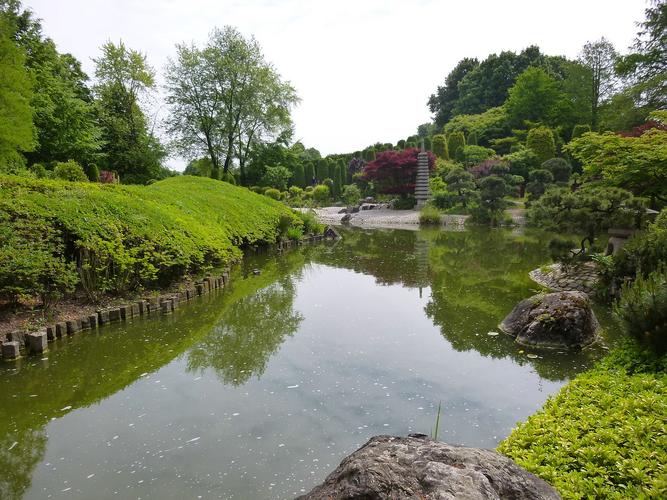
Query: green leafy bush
x,y
643,310
430,215
472,155
351,194
404,203
125,237
603,435
540,141
294,233
272,193
69,171
321,193
310,223
559,168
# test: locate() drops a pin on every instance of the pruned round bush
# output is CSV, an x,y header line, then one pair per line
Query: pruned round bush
x,y
541,141
351,194
272,193
559,168
69,171
321,193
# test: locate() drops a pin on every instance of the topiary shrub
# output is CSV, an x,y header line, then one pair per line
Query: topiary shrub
x,y
272,193
93,172
642,309
539,180
69,171
439,147
540,141
404,203
455,142
474,155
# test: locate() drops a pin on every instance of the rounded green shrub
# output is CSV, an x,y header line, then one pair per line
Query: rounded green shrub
x,y
69,171
430,216
455,143
439,147
321,193
272,193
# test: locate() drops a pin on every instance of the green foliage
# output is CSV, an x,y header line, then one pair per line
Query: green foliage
x,y
492,190
299,177
474,155
272,193
643,309
539,180
535,97
322,169
456,141
309,172
321,193
580,130
439,146
277,177
635,163
92,172
16,126
404,203
559,168
461,182
589,210
522,162
70,171
540,141
643,254
351,194
430,216
125,237
483,127
310,223
602,436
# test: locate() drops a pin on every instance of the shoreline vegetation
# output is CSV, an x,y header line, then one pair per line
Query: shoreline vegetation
x,y
103,244
603,435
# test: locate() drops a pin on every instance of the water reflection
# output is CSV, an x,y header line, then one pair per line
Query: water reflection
x,y
311,355
252,331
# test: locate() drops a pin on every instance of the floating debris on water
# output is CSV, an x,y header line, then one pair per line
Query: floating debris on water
x,y
293,386
493,334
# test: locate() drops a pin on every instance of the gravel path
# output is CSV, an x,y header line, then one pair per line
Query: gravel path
x,y
383,218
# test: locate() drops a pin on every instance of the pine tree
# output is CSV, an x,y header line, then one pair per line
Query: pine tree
x,y
309,173
322,171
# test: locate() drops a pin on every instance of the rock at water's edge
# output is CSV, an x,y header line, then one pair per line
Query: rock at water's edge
x,y
561,319
417,467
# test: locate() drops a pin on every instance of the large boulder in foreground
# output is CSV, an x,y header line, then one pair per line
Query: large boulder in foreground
x,y
390,467
561,319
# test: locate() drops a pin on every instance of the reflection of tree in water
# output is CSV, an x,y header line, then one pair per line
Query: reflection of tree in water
x,y
476,277
20,452
250,332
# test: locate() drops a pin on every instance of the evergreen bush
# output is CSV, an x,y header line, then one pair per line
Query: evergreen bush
x,y
540,141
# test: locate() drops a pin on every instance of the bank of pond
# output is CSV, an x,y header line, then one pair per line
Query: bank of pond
x,y
259,390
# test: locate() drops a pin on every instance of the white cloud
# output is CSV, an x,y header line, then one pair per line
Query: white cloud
x,y
364,69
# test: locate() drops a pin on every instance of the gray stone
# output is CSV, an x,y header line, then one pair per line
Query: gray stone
x,y
92,321
199,288
102,317
165,307
85,324
37,341
417,467
560,319
125,312
17,336
346,219
61,329
114,315
141,307
11,350
51,333
135,309
73,326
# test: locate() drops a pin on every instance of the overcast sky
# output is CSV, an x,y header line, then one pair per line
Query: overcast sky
x,y
364,69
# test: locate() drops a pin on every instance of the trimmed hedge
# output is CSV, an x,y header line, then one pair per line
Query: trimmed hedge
x,y
119,238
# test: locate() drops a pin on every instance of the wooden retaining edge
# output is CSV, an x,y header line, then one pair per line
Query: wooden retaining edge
x,y
36,342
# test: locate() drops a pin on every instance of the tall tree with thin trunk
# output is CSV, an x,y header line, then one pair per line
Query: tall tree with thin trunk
x,y
225,97
599,57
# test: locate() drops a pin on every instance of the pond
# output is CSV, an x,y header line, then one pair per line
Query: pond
x,y
259,391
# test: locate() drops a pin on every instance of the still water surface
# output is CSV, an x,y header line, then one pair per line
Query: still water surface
x,y
261,390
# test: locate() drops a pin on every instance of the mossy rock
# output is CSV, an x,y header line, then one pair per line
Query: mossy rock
x,y
558,320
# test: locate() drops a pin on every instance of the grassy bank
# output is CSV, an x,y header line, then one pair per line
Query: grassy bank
x,y
605,434
59,236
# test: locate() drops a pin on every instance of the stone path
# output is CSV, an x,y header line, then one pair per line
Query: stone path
x,y
582,278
